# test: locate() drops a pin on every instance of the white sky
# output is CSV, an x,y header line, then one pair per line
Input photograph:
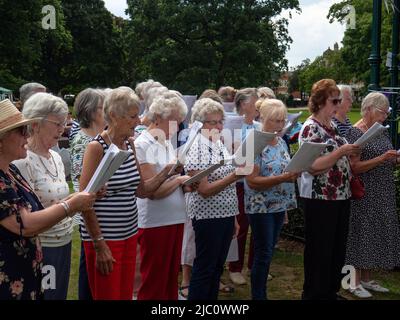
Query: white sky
x,y
311,31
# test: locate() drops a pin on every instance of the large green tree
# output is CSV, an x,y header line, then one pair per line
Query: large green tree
x,y
97,52
190,44
357,42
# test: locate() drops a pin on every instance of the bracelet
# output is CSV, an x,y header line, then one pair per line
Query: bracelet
x,y
96,240
66,207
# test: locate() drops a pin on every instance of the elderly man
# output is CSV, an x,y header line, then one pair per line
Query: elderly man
x,y
340,119
29,89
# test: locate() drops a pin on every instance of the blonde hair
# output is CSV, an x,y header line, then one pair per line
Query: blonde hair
x,y
273,109
119,101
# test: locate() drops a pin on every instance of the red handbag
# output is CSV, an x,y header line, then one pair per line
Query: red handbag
x,y
357,187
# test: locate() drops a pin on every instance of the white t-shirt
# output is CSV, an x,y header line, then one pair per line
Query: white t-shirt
x,y
47,179
160,212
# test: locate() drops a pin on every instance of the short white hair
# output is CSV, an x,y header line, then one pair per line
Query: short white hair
x,y
28,89
119,101
152,94
42,104
345,88
165,104
374,100
204,107
147,86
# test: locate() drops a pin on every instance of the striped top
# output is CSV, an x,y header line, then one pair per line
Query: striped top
x,y
117,212
342,127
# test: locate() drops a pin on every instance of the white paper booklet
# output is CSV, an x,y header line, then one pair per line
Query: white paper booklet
x,y
206,172
291,121
251,147
110,163
194,130
229,106
233,122
370,134
305,157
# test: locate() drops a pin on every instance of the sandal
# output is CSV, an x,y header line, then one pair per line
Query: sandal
x,y
182,293
224,288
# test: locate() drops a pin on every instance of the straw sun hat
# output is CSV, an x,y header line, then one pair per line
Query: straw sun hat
x,y
11,117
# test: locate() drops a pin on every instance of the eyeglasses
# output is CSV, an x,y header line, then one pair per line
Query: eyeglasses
x,y
57,123
23,131
215,122
387,113
335,101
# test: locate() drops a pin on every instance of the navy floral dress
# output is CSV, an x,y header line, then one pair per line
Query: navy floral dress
x,y
20,257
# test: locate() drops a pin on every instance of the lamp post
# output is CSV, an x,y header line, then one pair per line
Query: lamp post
x,y
375,57
394,71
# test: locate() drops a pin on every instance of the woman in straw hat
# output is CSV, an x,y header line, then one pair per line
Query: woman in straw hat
x,y
20,252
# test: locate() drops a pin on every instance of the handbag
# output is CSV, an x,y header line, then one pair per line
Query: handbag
x,y
357,187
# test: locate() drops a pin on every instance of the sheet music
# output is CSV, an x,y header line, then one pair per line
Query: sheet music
x,y
110,163
370,134
229,106
291,121
194,130
233,122
189,100
206,172
305,157
252,146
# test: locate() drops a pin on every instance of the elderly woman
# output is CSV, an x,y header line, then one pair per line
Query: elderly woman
x,y
162,216
109,233
22,215
340,120
265,93
269,194
44,170
88,108
245,100
213,206
227,94
374,235
326,193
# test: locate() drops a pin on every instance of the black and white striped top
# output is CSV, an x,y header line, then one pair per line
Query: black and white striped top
x,y
117,212
342,127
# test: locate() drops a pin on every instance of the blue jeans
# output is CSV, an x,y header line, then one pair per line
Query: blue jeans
x,y
84,292
265,228
59,259
213,238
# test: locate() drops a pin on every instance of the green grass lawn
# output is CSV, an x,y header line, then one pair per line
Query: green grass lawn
x,y
286,268
354,114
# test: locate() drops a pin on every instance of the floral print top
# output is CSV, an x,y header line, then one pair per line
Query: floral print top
x,y
272,161
20,257
335,183
77,150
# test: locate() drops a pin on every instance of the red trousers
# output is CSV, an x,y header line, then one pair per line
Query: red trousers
x,y
237,266
160,252
118,285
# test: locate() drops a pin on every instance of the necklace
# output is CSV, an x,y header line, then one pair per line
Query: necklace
x,y
54,176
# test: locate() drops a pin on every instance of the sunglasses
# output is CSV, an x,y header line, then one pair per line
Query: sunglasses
x,y
335,101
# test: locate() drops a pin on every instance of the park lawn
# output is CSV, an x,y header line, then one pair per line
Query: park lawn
x,y
286,268
354,114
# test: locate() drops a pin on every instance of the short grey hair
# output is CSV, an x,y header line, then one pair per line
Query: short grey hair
x,y
152,94
244,95
119,101
147,86
86,104
345,88
165,104
42,104
28,89
375,100
266,92
205,106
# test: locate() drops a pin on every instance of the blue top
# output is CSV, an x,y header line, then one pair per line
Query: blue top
x,y
272,161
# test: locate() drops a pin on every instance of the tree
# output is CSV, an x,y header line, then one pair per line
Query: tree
x,y
357,42
190,44
96,56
